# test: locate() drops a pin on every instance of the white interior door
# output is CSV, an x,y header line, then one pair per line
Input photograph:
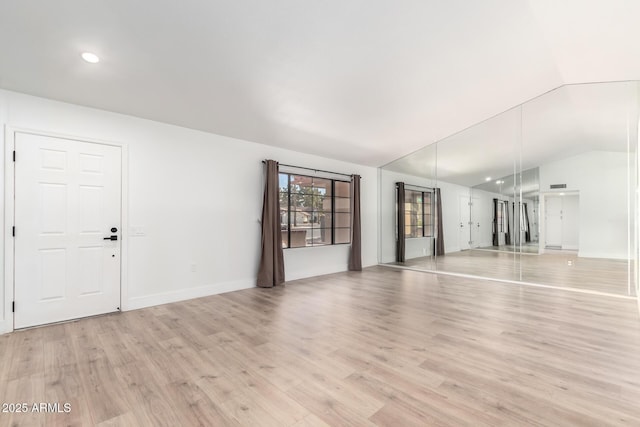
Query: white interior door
x,y
553,221
67,201
464,236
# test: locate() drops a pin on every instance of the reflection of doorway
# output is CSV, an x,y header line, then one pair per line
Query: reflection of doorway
x,y
464,234
481,222
562,221
553,222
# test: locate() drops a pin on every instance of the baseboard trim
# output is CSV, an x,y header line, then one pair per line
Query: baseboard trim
x,y
6,326
136,303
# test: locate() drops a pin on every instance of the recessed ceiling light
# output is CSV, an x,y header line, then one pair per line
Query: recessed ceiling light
x,y
90,57
488,179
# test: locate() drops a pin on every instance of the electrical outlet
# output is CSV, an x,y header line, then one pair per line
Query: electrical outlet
x,y
193,267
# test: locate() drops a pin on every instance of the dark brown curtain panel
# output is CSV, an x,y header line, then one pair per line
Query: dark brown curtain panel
x,y
507,235
271,269
400,256
496,240
355,254
527,233
440,236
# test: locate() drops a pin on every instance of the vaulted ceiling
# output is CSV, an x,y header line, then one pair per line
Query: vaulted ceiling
x,y
357,80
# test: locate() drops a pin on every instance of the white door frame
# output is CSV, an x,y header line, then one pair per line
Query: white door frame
x,y
7,320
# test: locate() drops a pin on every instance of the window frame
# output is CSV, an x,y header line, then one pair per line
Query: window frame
x,y
332,212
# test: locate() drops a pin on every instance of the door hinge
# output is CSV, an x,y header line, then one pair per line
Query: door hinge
x,y
13,231
14,155
13,307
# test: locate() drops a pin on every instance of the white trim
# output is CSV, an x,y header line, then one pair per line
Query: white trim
x,y
513,282
7,315
7,324
187,294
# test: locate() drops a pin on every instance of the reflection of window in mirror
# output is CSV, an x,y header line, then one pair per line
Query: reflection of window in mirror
x,y
523,219
417,214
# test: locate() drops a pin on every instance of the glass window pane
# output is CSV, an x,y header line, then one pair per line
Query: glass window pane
x,y
283,181
322,219
413,231
342,220
342,204
343,235
300,218
343,189
299,236
321,236
321,203
285,237
301,184
322,186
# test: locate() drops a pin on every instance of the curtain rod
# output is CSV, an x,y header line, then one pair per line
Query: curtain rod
x,y
311,169
417,186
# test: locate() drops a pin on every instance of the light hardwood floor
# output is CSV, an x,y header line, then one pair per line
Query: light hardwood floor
x,y
381,347
558,268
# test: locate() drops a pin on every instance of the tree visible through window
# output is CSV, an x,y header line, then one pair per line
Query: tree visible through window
x,y
314,211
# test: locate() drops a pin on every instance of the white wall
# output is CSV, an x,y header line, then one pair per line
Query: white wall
x,y
601,179
198,198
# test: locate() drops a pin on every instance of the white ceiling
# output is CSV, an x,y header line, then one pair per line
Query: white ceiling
x,y
361,81
565,122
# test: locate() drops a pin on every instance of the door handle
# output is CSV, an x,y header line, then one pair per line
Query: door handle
x,y
113,237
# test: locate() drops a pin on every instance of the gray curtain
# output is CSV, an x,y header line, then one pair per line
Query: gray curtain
x,y
440,236
527,233
400,257
271,269
355,254
496,241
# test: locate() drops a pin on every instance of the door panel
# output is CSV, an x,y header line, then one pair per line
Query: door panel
x,y
465,216
553,221
67,199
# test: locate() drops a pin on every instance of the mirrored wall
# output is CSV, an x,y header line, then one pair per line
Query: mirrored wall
x,y
544,193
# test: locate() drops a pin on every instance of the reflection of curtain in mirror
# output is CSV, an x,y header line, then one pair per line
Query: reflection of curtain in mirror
x,y
440,236
527,234
507,234
496,241
400,256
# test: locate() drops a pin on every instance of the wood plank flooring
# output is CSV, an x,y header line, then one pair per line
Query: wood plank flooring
x,y
381,347
561,269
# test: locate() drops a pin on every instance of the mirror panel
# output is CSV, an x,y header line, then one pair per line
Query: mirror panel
x,y
544,193
417,173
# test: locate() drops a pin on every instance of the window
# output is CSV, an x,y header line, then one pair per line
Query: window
x,y
418,217
314,211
